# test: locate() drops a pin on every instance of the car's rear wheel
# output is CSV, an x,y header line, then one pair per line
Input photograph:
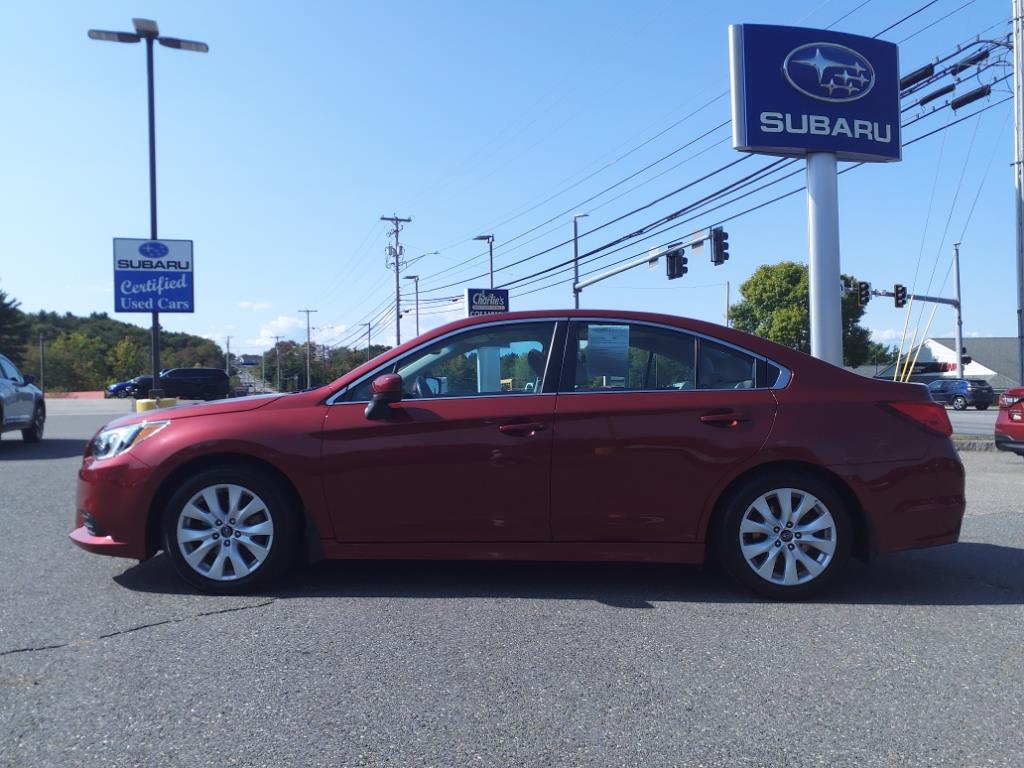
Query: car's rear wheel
x,y
35,432
982,407
959,403
785,536
227,530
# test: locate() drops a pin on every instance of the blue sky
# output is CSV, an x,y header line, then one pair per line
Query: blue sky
x,y
279,151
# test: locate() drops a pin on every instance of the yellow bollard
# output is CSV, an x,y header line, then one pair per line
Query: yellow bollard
x,y
148,404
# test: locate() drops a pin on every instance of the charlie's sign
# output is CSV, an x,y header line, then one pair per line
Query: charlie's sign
x,y
153,275
796,91
486,301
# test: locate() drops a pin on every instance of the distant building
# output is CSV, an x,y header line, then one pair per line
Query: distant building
x,y
993,359
248,359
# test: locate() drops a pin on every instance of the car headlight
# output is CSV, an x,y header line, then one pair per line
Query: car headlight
x,y
113,442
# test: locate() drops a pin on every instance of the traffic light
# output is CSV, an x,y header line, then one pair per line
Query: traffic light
x,y
863,293
899,295
719,246
675,263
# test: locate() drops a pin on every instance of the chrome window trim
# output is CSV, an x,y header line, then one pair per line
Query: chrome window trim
x,y
334,399
785,374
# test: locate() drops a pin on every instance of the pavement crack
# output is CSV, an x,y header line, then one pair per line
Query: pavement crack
x,y
140,627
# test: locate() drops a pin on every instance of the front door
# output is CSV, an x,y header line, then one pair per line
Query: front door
x,y
465,456
645,428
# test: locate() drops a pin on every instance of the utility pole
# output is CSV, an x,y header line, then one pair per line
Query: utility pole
x,y
308,312
490,252
1018,172
227,359
959,313
416,280
263,372
726,303
368,326
575,258
277,357
42,381
394,253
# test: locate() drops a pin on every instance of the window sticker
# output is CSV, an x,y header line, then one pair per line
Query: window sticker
x,y
608,351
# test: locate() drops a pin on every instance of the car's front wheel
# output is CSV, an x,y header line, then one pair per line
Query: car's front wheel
x,y
785,536
228,529
35,432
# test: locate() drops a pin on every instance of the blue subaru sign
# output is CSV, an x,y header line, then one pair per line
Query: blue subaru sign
x,y
153,275
796,91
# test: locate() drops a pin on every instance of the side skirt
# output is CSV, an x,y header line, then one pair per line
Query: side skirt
x,y
688,552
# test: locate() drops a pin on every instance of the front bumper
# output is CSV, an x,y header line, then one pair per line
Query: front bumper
x,y
112,507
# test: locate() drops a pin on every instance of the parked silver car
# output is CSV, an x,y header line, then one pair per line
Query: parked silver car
x,y
21,403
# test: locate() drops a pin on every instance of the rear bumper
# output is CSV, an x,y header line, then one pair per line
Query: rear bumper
x,y
1007,443
912,505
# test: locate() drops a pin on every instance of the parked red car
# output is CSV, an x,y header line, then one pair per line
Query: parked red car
x,y
1010,421
569,435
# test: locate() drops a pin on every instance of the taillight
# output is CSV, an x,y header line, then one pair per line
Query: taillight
x,y
929,415
1005,401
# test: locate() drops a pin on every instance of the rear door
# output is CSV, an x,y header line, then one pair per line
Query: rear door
x,y
648,420
17,398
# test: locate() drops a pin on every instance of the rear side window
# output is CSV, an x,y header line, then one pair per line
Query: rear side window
x,y
608,356
722,367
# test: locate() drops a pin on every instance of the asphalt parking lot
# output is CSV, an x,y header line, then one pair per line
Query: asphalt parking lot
x,y
914,660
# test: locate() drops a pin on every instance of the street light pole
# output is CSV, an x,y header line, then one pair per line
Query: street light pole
x,y
146,29
368,326
490,251
576,258
416,278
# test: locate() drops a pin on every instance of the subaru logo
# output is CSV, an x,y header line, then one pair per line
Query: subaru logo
x,y
829,72
153,250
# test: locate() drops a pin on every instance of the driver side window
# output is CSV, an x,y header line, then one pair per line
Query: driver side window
x,y
507,359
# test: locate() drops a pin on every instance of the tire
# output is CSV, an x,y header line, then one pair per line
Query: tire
x,y
755,549
210,549
121,393
982,407
959,403
35,432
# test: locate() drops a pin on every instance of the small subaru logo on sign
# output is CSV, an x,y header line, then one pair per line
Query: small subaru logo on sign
x,y
829,72
153,250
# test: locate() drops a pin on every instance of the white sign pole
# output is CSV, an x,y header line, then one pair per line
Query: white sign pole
x,y
823,261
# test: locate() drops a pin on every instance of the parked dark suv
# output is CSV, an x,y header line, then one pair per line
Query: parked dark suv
x,y
960,393
186,383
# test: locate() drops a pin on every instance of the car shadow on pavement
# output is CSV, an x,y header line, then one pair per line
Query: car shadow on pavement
x,y
960,574
16,449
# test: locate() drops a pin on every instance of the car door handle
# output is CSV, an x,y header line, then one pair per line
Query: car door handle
x,y
528,429
726,419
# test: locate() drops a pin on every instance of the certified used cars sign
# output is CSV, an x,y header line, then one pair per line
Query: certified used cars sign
x,y
796,91
153,275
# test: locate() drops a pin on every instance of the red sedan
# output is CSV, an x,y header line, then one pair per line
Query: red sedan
x,y
569,435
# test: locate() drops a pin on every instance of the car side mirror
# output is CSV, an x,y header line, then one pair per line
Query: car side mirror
x,y
385,390
27,379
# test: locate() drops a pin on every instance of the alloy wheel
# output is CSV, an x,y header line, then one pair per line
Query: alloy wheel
x,y
224,532
787,536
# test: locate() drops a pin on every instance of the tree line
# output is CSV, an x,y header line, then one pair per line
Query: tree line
x,y
88,353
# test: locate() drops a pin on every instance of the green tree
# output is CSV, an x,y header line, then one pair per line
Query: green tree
x,y
126,360
76,362
776,306
14,329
